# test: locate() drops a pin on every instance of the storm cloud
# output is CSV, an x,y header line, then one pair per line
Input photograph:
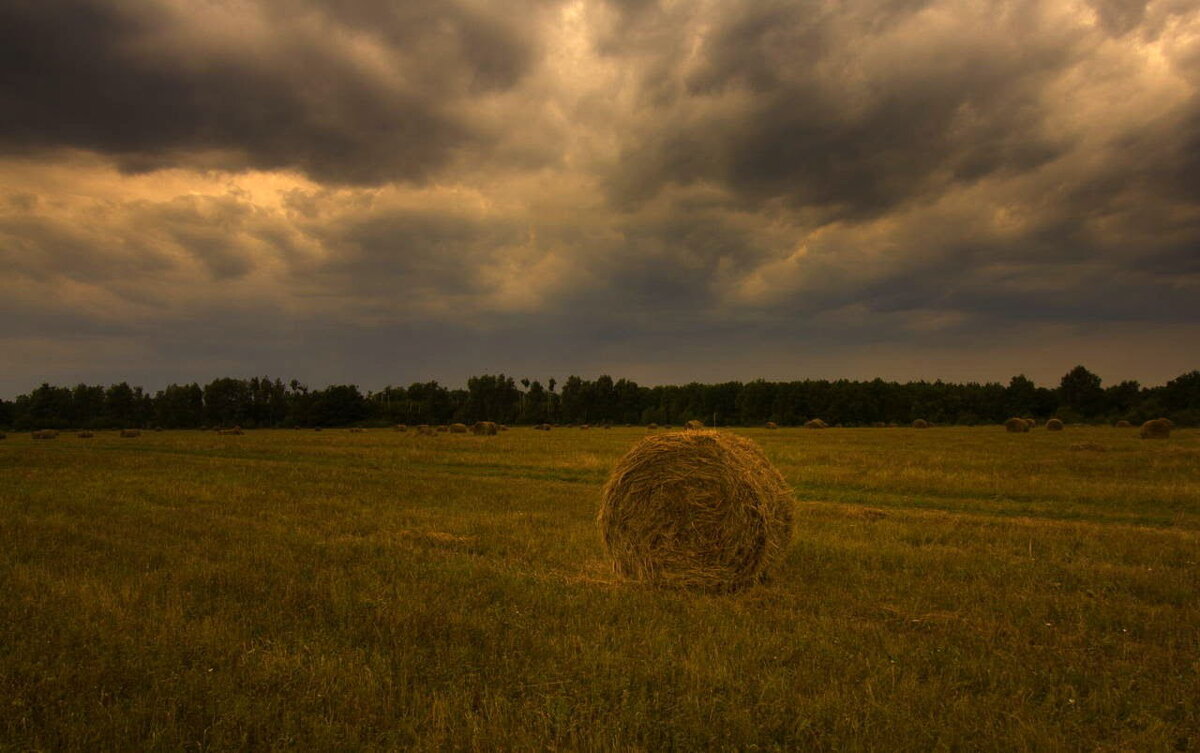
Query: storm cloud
x,y
390,191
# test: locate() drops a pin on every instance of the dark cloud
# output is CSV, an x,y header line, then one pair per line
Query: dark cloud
x,y
353,92
385,191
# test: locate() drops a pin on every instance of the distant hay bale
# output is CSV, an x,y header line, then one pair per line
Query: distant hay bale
x,y
652,427
425,430
697,509
443,429
1123,424
130,433
1054,424
45,434
1016,426
920,423
1158,428
356,430
400,427
318,429
772,425
85,435
584,426
542,427
458,428
816,423
233,431
694,425
485,428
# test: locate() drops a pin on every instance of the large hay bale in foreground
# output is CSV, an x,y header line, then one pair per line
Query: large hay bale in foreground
x,y
1054,425
484,428
920,423
694,425
816,423
130,433
1158,428
696,509
1016,426
458,428
1123,424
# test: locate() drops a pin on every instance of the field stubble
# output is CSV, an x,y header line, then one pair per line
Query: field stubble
x,y
953,588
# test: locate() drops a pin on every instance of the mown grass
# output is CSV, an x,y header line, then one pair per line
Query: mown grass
x,y
947,589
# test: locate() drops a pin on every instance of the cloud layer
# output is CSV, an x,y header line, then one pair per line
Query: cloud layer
x,y
382,191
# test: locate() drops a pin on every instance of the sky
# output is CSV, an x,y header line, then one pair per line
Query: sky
x,y
381,192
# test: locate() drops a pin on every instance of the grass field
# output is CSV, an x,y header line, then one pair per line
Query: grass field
x,y
946,589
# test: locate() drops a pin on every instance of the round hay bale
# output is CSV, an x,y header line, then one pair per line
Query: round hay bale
x,y
1123,424
920,423
1158,428
542,427
1054,425
1016,426
130,433
584,426
694,425
652,427
356,430
425,430
458,428
484,428
816,423
45,434
85,435
400,427
696,509
772,425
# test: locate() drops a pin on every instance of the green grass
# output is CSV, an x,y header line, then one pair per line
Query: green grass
x,y
946,589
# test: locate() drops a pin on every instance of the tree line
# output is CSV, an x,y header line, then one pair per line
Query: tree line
x,y
261,402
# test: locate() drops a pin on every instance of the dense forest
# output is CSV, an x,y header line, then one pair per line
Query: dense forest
x,y
263,402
